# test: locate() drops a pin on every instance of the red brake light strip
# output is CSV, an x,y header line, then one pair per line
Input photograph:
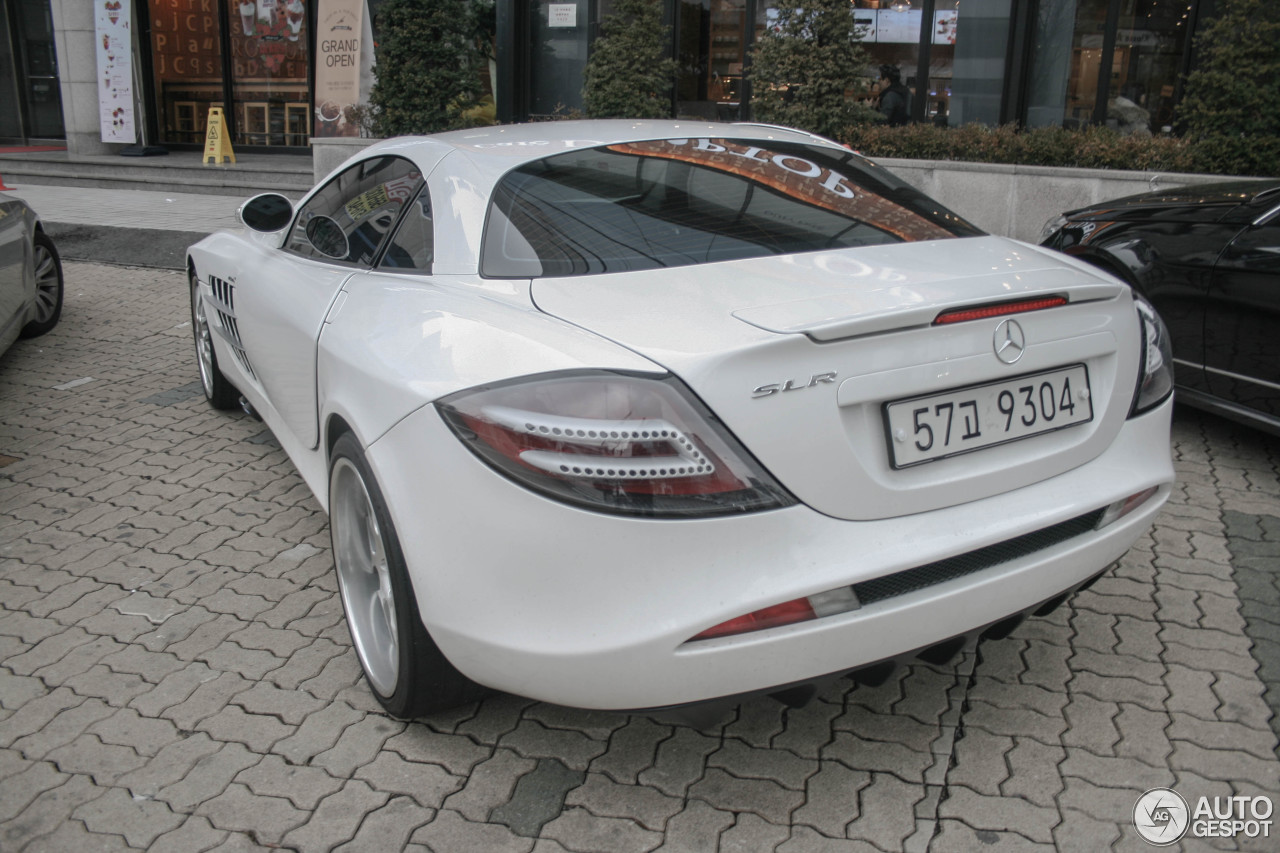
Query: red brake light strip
x,y
964,314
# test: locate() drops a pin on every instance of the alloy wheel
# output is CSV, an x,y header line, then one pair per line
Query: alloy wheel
x,y
364,577
48,283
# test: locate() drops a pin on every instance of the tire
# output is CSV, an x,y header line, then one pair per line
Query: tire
x,y
404,667
220,393
48,270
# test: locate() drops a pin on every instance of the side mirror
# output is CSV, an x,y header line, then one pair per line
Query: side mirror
x,y
328,238
267,213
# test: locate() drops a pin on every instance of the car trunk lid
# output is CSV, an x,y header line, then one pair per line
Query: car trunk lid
x,y
799,355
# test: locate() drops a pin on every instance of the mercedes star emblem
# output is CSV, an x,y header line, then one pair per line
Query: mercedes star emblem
x,y
1010,342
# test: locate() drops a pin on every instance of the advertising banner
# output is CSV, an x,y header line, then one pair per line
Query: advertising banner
x,y
113,40
338,65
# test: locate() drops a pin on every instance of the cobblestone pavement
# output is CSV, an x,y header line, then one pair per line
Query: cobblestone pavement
x,y
177,674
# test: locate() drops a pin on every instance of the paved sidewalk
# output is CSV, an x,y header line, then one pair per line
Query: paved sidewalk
x,y
176,675
131,208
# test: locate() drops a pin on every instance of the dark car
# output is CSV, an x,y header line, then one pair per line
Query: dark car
x,y
1208,258
30,274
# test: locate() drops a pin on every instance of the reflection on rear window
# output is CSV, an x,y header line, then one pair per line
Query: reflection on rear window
x,y
671,203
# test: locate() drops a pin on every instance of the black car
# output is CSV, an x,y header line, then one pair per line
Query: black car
x,y
1208,258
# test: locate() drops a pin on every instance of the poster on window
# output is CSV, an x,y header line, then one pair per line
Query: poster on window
x,y
898,27
864,25
338,64
113,41
944,26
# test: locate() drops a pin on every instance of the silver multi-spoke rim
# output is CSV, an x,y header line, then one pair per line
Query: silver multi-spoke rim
x,y
48,284
204,342
364,576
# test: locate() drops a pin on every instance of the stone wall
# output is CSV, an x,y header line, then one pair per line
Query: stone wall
x,y
1016,201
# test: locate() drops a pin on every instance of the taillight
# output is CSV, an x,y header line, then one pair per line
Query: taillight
x,y
1155,370
614,442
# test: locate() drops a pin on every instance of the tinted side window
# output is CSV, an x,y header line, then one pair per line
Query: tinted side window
x,y
364,200
671,203
412,247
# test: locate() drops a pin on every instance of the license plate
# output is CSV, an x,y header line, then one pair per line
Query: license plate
x,y
925,429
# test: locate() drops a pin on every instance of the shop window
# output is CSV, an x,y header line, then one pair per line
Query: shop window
x,y
709,55
960,79
186,64
266,67
1150,40
1141,43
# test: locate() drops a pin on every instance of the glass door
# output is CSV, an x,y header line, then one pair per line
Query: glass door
x,y
30,96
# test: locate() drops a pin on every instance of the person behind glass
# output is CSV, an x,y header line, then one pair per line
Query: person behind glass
x,y
940,116
895,98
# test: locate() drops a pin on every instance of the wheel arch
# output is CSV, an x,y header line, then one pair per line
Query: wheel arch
x,y
1109,263
335,427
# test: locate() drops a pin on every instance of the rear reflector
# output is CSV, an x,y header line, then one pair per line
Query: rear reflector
x,y
986,311
1120,509
821,604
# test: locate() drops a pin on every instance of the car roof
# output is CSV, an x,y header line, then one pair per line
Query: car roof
x,y
1203,202
504,147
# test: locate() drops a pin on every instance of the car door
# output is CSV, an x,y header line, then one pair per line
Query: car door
x,y
13,261
1242,319
282,302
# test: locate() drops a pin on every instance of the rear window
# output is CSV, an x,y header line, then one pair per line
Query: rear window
x,y
672,203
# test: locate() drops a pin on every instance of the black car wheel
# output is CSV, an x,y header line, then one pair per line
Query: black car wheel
x,y
48,271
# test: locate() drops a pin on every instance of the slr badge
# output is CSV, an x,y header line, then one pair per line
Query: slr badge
x,y
792,385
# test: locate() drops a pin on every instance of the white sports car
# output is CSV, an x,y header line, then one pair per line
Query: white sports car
x,y
636,414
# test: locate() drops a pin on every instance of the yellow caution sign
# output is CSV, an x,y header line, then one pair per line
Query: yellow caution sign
x,y
216,143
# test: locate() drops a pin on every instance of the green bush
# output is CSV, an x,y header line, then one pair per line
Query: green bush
x,y
1090,148
428,65
629,74
1235,87
804,70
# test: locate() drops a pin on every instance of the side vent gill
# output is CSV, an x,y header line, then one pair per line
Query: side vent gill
x,y
224,302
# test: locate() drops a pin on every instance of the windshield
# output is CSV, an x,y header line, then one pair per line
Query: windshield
x,y
671,203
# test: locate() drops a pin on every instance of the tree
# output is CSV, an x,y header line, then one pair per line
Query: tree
x,y
428,65
1231,105
805,66
630,73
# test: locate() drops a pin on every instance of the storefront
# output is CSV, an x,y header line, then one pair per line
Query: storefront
x,y
284,71
1038,62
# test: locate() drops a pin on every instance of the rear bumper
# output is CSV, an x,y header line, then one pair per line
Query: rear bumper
x,y
543,600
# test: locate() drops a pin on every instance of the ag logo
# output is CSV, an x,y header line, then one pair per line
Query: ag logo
x,y
1161,816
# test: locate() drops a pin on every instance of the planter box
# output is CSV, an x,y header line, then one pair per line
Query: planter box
x,y
1016,201
328,153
